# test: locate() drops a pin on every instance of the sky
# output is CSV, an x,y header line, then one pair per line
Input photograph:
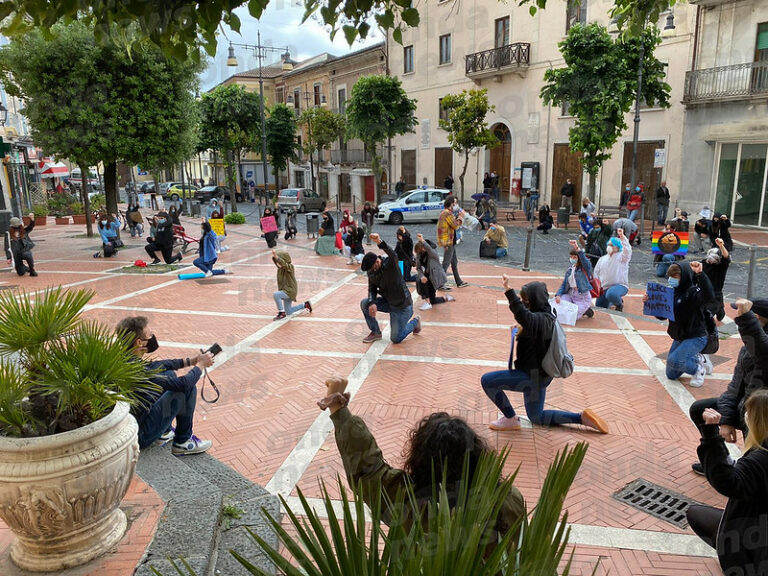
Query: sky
x,y
280,26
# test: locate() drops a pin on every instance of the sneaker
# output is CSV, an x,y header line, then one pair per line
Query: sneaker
x,y
706,361
425,306
589,313
351,262
33,272
97,254
192,446
592,420
505,424
280,316
208,274
445,288
698,468
462,285
620,308
165,437
155,262
227,271
372,337
458,241
308,306
449,298
417,328
178,257
697,380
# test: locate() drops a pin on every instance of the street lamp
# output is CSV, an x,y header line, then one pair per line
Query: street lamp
x,y
260,50
323,102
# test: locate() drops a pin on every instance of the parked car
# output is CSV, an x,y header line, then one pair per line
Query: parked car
x,y
206,193
418,205
176,191
302,199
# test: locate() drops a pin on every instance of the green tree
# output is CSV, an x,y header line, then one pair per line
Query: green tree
x,y
466,124
598,84
324,127
281,138
96,103
379,109
230,118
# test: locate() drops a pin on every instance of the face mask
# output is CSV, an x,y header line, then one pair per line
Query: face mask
x,y
152,344
609,250
161,220
573,261
673,282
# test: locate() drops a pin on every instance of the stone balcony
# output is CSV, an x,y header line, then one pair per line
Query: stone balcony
x,y
747,81
496,62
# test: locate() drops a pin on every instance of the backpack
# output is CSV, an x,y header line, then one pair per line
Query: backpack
x,y
558,362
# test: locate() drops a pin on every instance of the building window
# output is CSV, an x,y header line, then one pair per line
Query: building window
x,y
342,100
407,59
317,94
297,101
443,111
502,32
279,95
445,49
205,169
576,14
566,109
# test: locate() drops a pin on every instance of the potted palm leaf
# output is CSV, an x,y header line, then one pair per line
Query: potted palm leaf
x,y
68,444
41,214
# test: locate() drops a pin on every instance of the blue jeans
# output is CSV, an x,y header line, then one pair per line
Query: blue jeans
x,y
666,261
661,214
208,266
400,323
170,405
633,214
283,302
501,252
683,357
612,295
534,394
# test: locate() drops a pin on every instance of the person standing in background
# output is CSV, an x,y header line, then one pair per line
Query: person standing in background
x,y
662,203
566,195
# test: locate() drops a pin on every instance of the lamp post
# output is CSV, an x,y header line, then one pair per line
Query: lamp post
x,y
260,50
323,102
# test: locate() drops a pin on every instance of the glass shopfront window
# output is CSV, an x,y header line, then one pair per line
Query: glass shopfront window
x,y
729,155
743,165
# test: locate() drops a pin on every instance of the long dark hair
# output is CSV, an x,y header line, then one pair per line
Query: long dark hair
x,y
206,227
441,441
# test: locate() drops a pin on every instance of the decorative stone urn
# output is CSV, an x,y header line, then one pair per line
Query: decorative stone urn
x,y
59,494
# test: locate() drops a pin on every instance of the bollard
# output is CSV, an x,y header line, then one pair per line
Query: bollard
x,y
529,236
752,265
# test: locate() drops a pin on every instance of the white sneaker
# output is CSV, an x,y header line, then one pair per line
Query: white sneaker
x,y
227,271
208,274
192,446
697,380
709,368
425,306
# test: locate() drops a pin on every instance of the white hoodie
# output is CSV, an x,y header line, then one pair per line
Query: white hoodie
x,y
613,269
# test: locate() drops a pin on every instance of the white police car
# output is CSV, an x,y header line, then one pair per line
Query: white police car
x,y
418,205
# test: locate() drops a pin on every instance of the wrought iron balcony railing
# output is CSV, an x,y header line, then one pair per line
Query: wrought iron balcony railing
x,y
511,57
735,82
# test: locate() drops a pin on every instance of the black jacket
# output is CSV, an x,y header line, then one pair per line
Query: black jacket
x,y
662,196
716,274
703,226
567,190
355,241
404,248
743,531
327,225
537,323
720,229
164,233
388,281
25,244
694,291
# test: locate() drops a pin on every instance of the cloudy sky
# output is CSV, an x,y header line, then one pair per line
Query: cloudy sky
x,y
280,26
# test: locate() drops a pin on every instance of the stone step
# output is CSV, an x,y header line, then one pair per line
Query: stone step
x,y
195,490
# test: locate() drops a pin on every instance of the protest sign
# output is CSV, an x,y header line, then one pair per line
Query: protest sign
x,y
660,302
567,312
669,243
268,224
217,225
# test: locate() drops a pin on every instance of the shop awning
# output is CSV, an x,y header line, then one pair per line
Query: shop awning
x,y
53,170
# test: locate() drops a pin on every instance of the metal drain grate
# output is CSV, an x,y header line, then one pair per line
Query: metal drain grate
x,y
656,501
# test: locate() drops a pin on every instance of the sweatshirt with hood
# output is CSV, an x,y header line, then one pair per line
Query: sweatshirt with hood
x,y
691,295
537,322
286,279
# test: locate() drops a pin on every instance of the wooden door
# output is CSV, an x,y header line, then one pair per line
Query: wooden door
x,y
443,165
565,164
370,189
649,176
408,170
501,159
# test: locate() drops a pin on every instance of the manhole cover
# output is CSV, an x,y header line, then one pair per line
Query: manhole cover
x,y
656,501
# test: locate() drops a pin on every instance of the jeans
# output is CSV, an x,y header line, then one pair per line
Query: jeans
x,y
566,202
170,405
633,214
612,295
18,261
683,357
283,302
661,214
534,394
400,322
666,261
450,259
208,266
501,253
137,228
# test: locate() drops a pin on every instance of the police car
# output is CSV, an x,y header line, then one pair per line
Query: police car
x,y
418,205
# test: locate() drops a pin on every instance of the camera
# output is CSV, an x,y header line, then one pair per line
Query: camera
x,y
215,349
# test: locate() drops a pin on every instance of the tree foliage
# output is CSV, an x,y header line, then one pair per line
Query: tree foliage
x,y
466,125
599,84
326,128
378,109
281,137
94,102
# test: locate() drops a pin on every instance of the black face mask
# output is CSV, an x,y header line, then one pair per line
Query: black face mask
x,y
152,344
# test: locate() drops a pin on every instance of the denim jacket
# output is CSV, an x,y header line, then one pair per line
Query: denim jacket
x,y
582,276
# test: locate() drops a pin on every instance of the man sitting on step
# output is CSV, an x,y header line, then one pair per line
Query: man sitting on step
x,y
176,398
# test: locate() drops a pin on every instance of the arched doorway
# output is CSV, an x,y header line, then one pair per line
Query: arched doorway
x,y
501,159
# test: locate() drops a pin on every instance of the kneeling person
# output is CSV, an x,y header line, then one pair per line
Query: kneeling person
x,y
156,410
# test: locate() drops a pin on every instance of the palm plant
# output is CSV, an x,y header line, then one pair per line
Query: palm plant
x,y
59,372
456,535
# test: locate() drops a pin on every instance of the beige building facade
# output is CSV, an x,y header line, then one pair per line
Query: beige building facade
x,y
501,47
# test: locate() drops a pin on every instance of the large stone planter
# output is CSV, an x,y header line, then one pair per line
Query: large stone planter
x,y
60,494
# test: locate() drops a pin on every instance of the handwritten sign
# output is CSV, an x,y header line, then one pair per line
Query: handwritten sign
x,y
669,243
217,225
268,224
660,302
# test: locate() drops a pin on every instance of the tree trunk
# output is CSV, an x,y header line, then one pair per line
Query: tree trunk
x,y
592,184
86,201
376,168
461,176
239,184
110,186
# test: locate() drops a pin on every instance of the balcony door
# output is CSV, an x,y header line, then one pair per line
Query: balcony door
x,y
501,158
501,32
760,71
443,165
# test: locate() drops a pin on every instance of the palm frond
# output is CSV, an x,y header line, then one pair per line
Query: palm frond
x,y
14,388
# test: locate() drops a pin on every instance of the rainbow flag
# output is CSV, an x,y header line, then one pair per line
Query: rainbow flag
x,y
675,243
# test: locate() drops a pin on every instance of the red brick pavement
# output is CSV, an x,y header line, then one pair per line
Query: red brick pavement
x,y
270,387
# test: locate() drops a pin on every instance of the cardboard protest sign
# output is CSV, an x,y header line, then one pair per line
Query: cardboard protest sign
x,y
567,312
268,224
217,225
660,302
669,243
